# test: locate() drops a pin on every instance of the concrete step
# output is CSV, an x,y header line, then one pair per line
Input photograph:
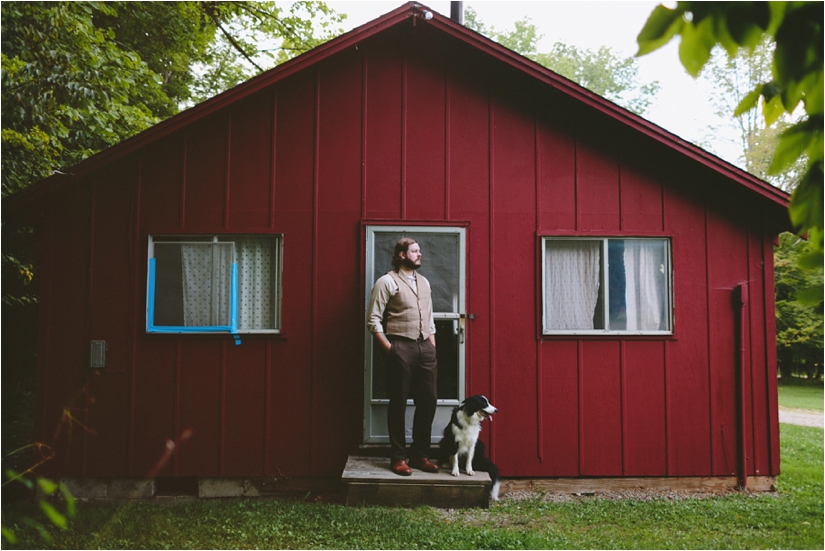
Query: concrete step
x,y
369,481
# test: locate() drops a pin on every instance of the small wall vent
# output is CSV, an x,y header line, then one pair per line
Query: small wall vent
x,y
97,355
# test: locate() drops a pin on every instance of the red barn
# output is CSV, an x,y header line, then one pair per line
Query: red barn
x,y
204,284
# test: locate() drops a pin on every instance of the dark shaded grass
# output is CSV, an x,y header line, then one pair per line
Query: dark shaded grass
x,y
789,519
801,396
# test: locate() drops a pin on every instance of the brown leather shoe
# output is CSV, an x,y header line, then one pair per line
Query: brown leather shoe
x,y
401,467
425,465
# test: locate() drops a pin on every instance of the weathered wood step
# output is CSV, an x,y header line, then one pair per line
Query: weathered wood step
x,y
370,481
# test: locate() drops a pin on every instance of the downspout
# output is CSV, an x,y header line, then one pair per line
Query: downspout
x,y
743,448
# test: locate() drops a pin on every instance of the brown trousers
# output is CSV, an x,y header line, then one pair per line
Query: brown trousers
x,y
411,372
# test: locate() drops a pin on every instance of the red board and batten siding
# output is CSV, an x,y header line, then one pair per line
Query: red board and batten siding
x,y
405,130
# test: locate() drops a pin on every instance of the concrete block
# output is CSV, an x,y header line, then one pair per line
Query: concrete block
x,y
86,488
251,488
220,487
131,488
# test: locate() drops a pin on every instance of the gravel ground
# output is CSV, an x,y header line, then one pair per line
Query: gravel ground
x,y
484,517
640,495
804,417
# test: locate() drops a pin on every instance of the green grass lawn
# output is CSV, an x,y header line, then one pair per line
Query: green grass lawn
x,y
791,518
799,396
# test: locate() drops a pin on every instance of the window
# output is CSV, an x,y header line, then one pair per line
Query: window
x,y
596,286
211,284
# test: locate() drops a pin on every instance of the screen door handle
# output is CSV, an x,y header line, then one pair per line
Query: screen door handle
x,y
461,325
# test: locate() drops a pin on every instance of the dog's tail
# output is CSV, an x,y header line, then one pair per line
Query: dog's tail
x,y
494,476
482,463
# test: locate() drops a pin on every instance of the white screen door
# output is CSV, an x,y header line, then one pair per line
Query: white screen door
x,y
443,254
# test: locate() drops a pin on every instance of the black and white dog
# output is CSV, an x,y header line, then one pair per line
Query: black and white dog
x,y
461,441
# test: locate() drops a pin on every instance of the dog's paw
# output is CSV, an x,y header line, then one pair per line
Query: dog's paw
x,y
470,472
454,473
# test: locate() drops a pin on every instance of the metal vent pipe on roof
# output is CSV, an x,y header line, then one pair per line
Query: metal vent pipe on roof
x,y
457,12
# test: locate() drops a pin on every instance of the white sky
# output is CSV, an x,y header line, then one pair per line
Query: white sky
x,y
682,105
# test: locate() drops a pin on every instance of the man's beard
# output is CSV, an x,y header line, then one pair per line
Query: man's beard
x,y
408,264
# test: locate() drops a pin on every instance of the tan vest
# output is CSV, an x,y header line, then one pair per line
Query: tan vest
x,y
408,314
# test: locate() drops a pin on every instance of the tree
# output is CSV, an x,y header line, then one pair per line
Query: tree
x,y
68,90
236,55
601,72
78,77
796,78
732,79
799,327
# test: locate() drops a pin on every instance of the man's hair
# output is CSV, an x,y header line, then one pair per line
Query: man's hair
x,y
401,247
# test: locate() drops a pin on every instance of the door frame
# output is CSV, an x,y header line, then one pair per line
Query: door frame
x,y
444,406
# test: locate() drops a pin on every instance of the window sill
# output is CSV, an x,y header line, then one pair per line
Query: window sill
x,y
277,333
636,336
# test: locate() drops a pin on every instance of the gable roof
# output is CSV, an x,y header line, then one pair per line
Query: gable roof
x,y
422,15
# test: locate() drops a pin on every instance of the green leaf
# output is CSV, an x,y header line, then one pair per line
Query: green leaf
x,y
792,144
811,260
662,25
810,296
748,102
746,22
54,515
791,95
772,109
47,486
806,208
777,14
9,536
813,89
697,43
12,475
70,503
725,40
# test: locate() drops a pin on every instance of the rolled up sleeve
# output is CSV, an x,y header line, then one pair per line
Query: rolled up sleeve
x,y
382,291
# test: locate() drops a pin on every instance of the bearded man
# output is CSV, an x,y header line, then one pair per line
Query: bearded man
x,y
401,300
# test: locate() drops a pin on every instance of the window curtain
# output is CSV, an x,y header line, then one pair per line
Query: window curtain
x,y
207,273
571,284
256,300
644,263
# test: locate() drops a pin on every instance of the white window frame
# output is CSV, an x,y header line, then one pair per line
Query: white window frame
x,y
232,328
603,282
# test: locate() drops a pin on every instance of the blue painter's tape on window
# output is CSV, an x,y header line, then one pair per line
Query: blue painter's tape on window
x,y
150,314
233,305
232,328
233,299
